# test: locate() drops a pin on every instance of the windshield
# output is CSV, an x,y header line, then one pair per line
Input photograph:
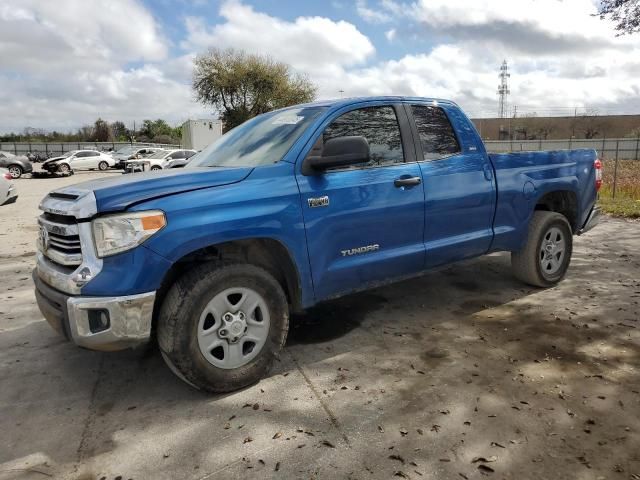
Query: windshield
x,y
68,154
160,154
124,150
262,140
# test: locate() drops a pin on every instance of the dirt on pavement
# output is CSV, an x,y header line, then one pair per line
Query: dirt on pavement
x,y
464,373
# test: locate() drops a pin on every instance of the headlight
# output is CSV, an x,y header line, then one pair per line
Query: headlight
x,y
118,233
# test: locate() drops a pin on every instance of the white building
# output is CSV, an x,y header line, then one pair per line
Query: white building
x,y
197,134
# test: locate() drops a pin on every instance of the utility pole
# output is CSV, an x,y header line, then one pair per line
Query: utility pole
x,y
341,92
503,90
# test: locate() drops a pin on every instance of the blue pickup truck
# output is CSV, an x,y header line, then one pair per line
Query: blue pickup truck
x,y
295,207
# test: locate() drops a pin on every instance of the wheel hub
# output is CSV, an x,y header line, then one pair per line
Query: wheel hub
x,y
234,326
550,248
552,251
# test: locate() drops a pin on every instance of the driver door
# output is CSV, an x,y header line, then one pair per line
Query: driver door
x,y
80,161
365,223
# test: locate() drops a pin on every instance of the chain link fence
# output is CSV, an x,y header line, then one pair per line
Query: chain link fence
x,y
58,148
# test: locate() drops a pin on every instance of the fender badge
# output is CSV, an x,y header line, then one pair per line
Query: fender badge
x,y
318,202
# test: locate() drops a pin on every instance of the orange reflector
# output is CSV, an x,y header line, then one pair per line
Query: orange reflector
x,y
154,222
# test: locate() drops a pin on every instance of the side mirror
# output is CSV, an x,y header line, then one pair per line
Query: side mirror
x,y
338,152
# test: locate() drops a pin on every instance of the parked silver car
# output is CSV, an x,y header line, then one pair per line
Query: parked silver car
x,y
158,160
8,192
17,165
130,153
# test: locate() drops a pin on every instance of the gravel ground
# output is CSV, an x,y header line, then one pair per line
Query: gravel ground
x,y
463,373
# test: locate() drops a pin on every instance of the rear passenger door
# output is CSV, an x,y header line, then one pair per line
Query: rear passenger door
x,y
364,223
92,160
458,182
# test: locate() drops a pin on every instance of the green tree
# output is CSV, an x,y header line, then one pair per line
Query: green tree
x,y
241,86
101,131
120,131
156,128
85,134
625,14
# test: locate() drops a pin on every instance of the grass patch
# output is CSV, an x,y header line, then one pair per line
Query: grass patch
x,y
620,207
627,201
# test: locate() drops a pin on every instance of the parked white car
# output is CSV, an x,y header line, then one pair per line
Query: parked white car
x,y
8,192
79,160
158,160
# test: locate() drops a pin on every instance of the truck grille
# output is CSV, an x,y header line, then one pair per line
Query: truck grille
x,y
59,239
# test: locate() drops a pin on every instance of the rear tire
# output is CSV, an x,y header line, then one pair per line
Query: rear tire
x,y
545,258
15,171
240,303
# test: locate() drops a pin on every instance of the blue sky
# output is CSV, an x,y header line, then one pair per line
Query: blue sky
x,y
136,59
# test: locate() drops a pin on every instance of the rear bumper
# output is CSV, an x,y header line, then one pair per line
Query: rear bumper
x,y
592,220
97,323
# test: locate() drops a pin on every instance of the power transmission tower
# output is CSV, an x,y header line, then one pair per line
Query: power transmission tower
x,y
503,90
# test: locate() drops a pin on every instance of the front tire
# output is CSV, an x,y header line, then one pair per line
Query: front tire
x,y
64,168
103,166
155,168
221,327
545,258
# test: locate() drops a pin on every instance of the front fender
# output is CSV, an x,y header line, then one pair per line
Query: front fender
x,y
265,205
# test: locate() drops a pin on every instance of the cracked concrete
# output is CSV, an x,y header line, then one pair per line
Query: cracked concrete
x,y
419,379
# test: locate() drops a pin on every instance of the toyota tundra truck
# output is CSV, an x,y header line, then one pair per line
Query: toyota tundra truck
x,y
292,208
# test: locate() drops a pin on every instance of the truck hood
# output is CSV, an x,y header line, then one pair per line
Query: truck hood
x,y
120,192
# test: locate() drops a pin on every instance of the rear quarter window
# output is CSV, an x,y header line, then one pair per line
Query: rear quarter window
x,y
437,137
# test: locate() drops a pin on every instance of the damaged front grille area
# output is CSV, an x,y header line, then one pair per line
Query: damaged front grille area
x,y
59,239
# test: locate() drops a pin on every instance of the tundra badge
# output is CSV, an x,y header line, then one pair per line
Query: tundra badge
x,y
318,202
359,250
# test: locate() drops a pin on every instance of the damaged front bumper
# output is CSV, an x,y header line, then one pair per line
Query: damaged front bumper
x,y
97,323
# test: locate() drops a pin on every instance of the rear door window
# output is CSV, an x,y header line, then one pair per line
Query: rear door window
x,y
437,136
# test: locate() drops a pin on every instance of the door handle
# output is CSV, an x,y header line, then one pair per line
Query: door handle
x,y
488,174
407,181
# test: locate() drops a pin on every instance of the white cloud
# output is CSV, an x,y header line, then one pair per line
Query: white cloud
x,y
57,73
560,54
37,35
308,43
390,34
65,62
371,15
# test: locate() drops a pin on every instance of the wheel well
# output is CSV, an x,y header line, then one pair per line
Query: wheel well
x,y
266,253
16,165
564,202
